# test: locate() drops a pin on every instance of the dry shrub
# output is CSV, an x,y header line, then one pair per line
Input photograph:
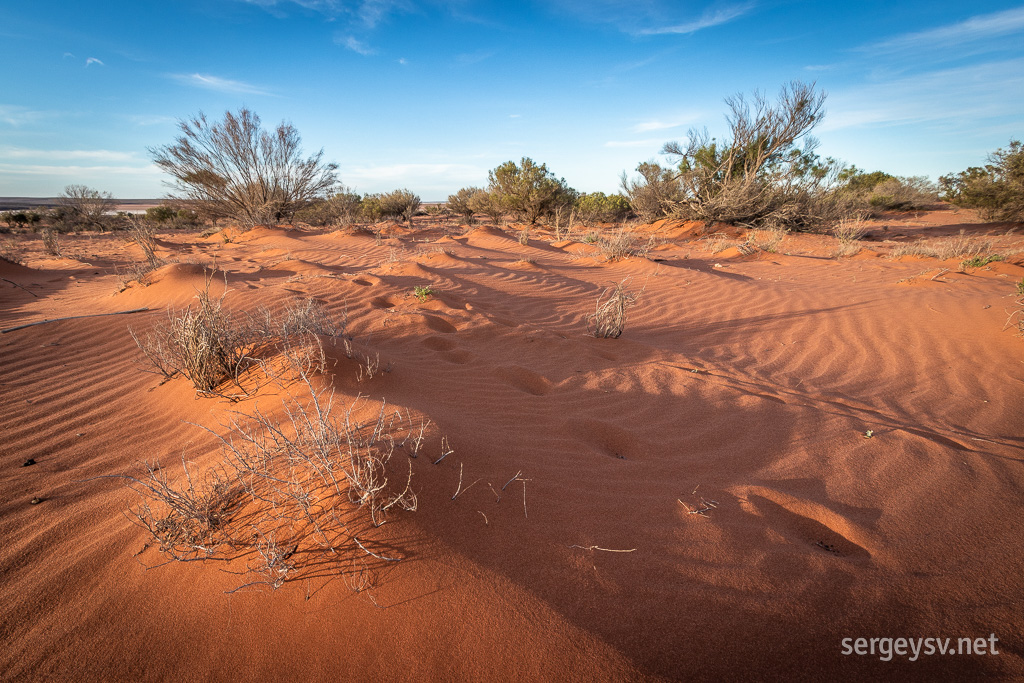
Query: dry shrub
x,y
849,230
609,318
288,494
718,242
142,233
188,521
213,348
51,242
622,244
9,252
766,240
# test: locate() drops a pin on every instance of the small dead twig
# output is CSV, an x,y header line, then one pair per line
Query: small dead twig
x,y
446,450
459,491
514,477
486,523
607,550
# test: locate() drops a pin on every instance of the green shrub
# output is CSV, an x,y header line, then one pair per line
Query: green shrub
x,y
996,190
597,207
399,204
461,203
529,190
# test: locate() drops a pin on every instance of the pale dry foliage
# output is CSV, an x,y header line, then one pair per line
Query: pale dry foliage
x,y
766,240
142,233
214,348
51,242
288,494
622,244
958,247
849,230
609,318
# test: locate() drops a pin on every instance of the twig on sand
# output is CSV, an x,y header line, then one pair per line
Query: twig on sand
x,y
486,523
514,477
20,287
607,550
71,317
459,491
705,506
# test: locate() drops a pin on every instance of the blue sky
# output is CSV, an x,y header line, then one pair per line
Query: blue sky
x,y
430,94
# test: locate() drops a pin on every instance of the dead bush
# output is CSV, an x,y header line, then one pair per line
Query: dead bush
x,y
849,230
609,318
622,244
288,494
141,232
51,242
214,348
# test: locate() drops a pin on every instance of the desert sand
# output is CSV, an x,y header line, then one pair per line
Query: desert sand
x,y
782,450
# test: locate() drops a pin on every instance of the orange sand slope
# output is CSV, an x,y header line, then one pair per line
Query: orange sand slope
x,y
742,387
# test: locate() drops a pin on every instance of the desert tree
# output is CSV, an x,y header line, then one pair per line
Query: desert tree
x,y
82,206
597,207
766,169
235,169
461,203
997,189
529,190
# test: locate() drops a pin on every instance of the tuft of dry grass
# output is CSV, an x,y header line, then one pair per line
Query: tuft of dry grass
x,y
10,252
609,318
959,247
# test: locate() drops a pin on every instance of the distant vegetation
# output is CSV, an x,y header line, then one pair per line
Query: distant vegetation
x,y
996,189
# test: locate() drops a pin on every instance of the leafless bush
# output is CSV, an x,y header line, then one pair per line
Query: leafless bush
x,y
766,240
214,348
51,242
289,494
80,207
622,244
142,233
188,520
235,169
10,252
849,230
654,193
609,318
719,242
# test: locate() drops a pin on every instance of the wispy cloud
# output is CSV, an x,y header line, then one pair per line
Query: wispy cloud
x,y
15,115
369,13
470,58
709,19
76,171
946,96
92,60
977,28
219,84
356,45
66,154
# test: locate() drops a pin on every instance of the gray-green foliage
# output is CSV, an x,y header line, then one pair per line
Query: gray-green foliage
x,y
529,190
996,189
597,207
461,203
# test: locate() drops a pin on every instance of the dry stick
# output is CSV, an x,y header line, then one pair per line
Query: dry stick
x,y
71,317
514,477
459,491
607,550
19,286
486,523
370,552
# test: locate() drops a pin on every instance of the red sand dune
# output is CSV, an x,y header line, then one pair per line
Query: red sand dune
x,y
744,388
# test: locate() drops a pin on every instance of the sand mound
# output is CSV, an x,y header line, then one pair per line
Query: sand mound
x,y
776,454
